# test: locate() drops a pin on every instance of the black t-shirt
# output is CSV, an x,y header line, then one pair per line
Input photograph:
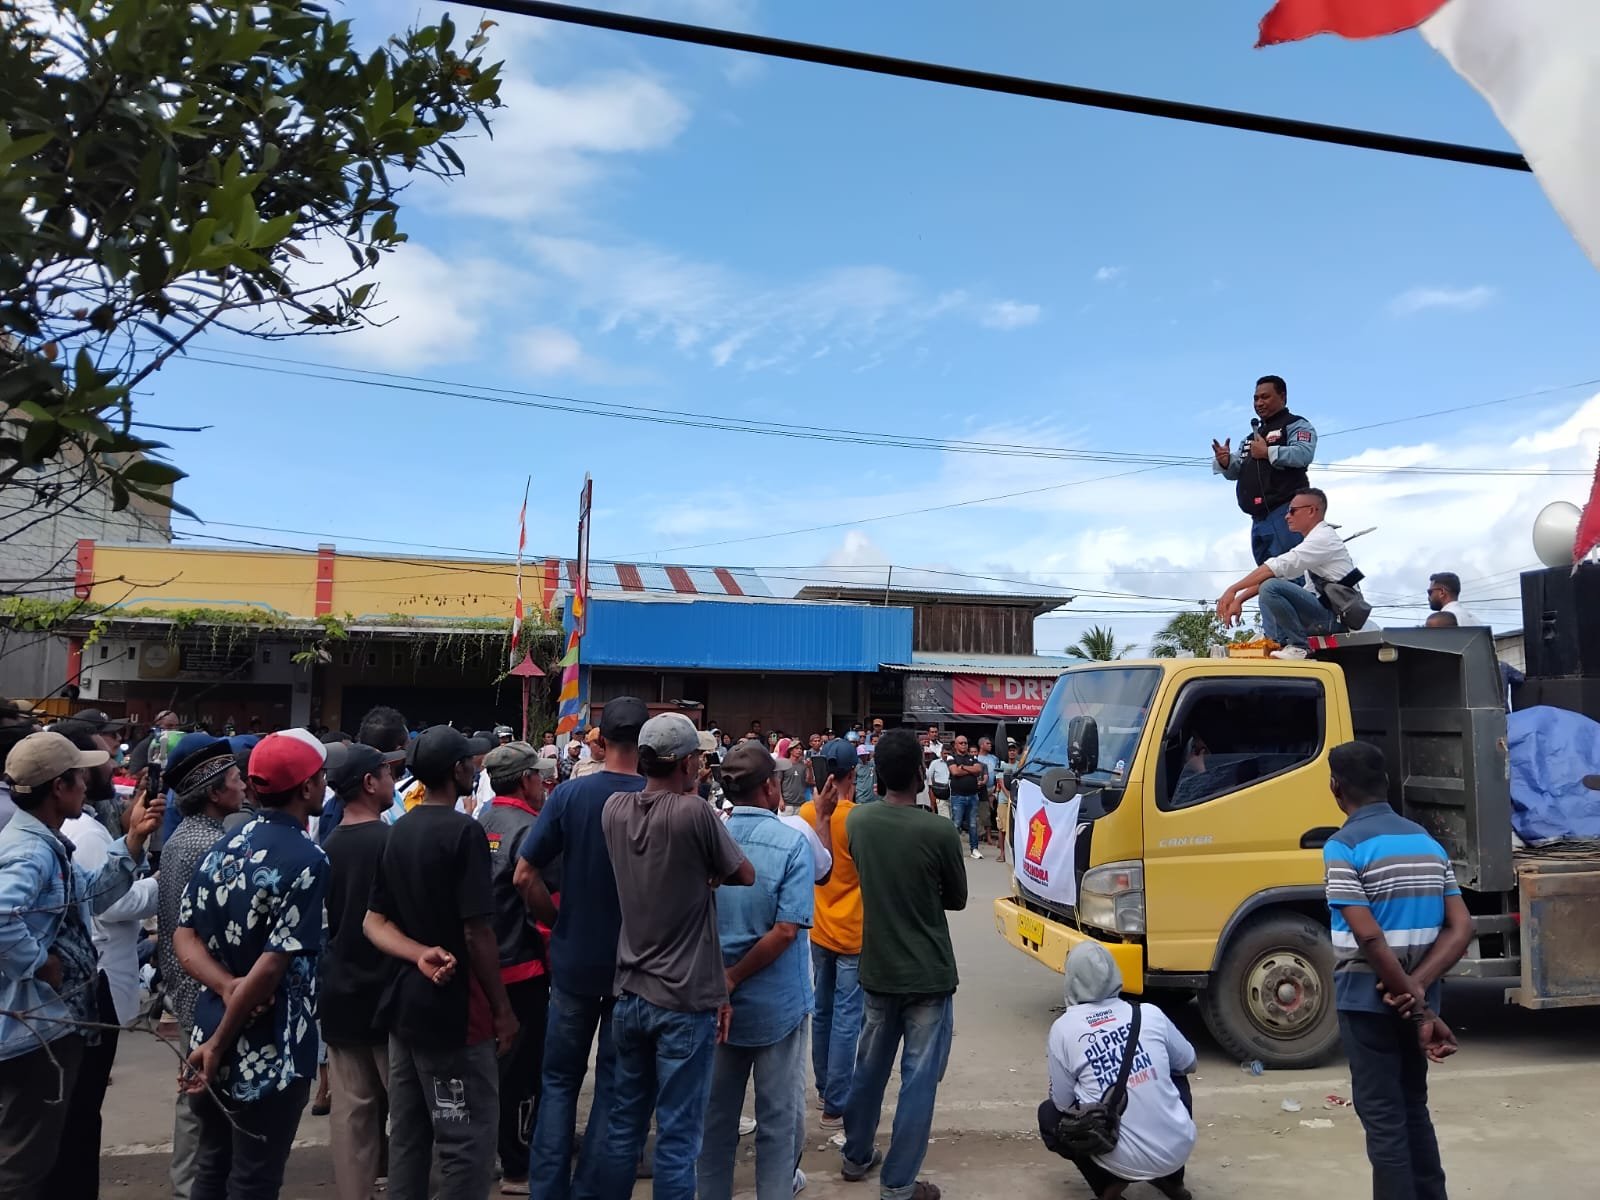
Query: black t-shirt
x,y
435,875
964,785
353,972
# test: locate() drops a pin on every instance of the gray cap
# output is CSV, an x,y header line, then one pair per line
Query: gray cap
x,y
669,737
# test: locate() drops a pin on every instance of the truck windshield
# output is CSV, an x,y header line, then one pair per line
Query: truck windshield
x,y
1118,698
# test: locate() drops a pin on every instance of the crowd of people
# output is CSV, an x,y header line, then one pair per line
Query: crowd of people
x,y
428,936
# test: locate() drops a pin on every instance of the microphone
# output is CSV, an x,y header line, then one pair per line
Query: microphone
x,y
1255,426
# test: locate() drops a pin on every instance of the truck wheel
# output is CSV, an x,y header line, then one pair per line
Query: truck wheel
x,y
1272,998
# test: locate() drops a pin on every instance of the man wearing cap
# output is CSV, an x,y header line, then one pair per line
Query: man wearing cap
x,y
866,781
835,935
594,754
518,776
666,845
354,973
209,787
446,1010
762,930
48,966
16,723
250,930
565,878
911,875
107,734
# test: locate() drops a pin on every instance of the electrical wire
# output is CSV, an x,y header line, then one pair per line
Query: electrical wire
x,y
987,81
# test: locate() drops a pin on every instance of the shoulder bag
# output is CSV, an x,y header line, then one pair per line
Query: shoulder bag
x,y
1086,1130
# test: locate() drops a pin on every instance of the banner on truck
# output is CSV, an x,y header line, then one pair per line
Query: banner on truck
x,y
1044,837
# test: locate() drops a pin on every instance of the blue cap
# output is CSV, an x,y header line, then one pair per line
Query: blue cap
x,y
840,757
192,750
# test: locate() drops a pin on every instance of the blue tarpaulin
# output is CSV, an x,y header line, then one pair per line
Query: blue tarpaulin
x,y
1552,750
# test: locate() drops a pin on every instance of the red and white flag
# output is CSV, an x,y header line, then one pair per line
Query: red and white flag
x,y
1537,63
522,543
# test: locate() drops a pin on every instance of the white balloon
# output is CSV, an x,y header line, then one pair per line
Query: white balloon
x,y
1554,530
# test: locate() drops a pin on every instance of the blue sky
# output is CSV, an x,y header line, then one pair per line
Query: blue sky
x,y
681,228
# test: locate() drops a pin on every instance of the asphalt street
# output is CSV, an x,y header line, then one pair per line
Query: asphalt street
x,y
1516,1110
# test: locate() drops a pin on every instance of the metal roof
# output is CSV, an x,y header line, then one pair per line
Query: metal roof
x,y
867,594
1040,666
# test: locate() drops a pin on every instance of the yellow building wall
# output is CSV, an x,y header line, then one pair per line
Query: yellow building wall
x,y
366,587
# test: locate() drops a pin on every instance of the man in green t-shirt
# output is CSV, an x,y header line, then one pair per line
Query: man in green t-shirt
x,y
909,861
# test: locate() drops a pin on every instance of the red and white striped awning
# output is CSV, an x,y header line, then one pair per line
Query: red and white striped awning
x,y
659,579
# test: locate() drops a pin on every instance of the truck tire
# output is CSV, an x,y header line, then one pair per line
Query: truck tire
x,y
1272,997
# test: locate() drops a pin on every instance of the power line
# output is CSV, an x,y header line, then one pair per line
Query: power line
x,y
569,405
987,81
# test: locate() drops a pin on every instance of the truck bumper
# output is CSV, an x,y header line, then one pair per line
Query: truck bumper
x,y
1050,942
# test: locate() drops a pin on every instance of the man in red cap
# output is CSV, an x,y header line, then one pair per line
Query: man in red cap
x,y
250,930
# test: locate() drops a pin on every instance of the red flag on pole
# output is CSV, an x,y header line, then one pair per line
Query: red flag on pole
x,y
1588,536
522,543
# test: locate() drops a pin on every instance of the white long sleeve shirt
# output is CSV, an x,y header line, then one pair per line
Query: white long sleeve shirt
x,y
116,931
1322,553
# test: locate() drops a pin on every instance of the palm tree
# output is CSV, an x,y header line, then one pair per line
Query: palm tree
x,y
1194,633
1098,645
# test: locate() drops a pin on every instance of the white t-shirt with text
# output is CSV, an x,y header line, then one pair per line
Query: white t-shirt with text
x,y
1085,1050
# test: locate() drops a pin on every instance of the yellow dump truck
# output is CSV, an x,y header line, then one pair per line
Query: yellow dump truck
x,y
1175,812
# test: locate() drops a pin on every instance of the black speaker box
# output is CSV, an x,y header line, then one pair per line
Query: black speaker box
x,y
1574,695
1561,622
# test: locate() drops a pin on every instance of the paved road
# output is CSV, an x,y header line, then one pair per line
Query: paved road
x,y
1517,1110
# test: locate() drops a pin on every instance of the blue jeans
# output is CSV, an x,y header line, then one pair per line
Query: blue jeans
x,y
664,1063
925,1024
1290,614
780,1117
964,812
1271,535
569,1032
837,1025
1389,1084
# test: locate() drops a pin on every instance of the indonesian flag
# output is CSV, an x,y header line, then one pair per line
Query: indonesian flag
x,y
1537,63
1588,536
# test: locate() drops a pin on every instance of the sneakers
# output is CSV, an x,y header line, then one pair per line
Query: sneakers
x,y
832,1120
850,1173
1293,653
747,1126
977,854
799,1181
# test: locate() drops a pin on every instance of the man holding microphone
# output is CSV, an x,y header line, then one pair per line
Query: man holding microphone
x,y
1269,467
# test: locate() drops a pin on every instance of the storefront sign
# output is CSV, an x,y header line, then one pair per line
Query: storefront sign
x,y
975,698
1001,697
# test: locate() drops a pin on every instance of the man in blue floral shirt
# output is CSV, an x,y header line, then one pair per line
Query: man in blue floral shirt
x,y
250,930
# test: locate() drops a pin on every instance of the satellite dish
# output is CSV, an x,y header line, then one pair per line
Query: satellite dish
x,y
1554,531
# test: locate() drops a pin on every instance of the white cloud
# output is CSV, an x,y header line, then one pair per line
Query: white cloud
x,y
553,143
705,309
1420,299
1109,274
1010,314
547,351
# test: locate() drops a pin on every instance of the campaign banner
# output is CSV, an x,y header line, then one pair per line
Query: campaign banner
x,y
1045,837
1001,697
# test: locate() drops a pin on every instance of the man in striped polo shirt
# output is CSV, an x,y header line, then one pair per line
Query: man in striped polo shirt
x,y
1399,924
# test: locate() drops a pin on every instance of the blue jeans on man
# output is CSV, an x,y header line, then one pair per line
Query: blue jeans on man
x,y
569,1033
780,1117
664,1061
964,812
1290,613
1271,536
925,1024
837,1025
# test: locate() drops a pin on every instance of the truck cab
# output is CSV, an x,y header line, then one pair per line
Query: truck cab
x,y
1191,796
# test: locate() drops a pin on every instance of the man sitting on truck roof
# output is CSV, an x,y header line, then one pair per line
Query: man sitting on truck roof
x,y
1290,614
1399,924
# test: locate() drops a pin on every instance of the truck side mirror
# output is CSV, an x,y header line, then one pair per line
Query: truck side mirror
x,y
1059,784
1083,744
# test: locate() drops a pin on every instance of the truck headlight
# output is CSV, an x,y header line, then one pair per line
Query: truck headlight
x,y
1112,897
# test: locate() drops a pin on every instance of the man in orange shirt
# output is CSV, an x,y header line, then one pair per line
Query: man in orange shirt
x,y
835,935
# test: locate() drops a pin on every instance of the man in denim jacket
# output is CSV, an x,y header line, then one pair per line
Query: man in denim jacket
x,y
48,966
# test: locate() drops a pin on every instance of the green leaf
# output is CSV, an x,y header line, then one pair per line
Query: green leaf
x,y
15,151
152,472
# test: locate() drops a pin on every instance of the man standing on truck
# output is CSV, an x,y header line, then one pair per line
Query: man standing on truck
x,y
1268,467
1444,596
1399,924
1290,614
